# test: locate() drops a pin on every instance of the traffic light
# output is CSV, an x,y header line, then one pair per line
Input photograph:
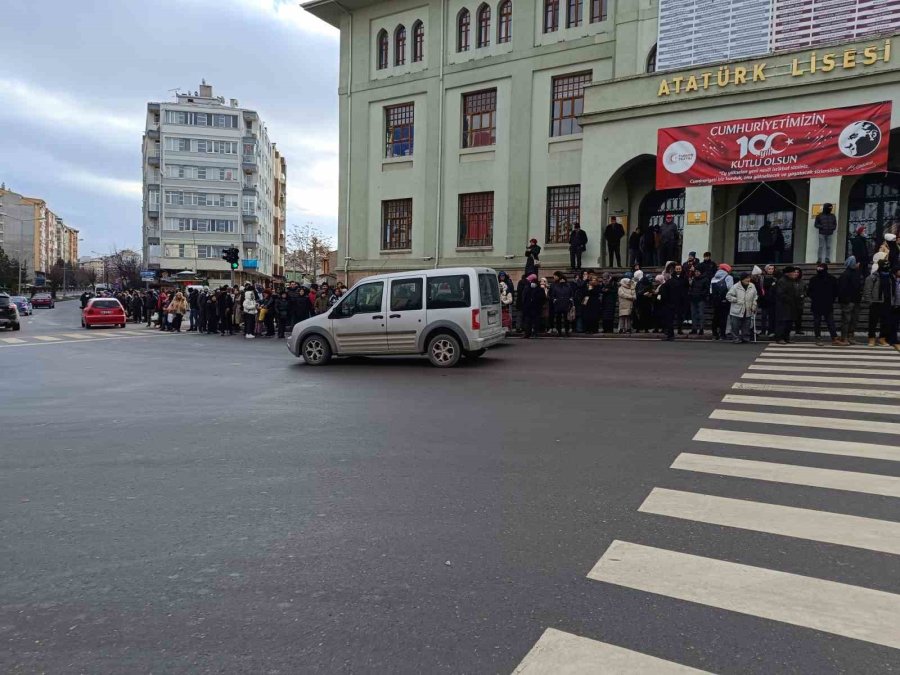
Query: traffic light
x,y
231,255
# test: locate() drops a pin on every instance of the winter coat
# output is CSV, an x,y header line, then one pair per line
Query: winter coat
x,y
634,241
321,303
678,287
303,308
506,298
561,297
767,295
849,286
825,223
533,299
742,299
788,299
224,303
281,306
708,268
626,297
520,291
698,288
668,233
608,295
822,291
719,286
766,236
593,304
578,240
870,289
859,246
614,233
177,306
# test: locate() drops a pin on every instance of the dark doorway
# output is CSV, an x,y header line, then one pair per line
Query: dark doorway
x,y
653,210
874,205
763,205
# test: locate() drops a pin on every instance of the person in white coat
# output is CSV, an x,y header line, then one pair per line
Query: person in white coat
x,y
742,297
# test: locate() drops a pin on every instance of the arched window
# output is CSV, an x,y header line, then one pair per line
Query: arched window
x,y
400,45
418,50
574,13
651,60
382,49
463,21
504,22
551,16
484,26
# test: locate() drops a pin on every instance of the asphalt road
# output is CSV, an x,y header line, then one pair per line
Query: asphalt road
x,y
190,503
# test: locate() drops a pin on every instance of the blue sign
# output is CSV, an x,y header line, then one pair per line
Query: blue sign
x,y
148,275
251,264
39,280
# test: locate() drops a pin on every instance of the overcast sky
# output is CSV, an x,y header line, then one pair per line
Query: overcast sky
x,y
75,79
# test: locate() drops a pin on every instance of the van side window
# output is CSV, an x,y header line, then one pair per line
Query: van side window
x,y
365,299
490,289
450,292
406,295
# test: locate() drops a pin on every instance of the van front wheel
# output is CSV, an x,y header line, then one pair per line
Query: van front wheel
x,y
444,350
315,350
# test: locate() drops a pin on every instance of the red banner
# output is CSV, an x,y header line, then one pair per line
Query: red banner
x,y
835,142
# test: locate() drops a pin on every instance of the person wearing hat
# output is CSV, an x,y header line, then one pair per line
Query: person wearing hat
x,y
891,249
859,248
850,288
742,297
822,292
532,257
826,224
533,299
788,302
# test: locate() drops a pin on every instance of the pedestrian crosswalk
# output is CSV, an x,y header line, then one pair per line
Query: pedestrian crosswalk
x,y
810,402
24,340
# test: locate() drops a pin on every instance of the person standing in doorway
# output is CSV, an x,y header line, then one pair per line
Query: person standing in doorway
x,y
577,244
648,246
766,238
613,235
859,248
823,291
668,240
826,224
634,247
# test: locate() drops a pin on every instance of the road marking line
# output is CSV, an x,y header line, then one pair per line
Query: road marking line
x,y
773,353
786,521
78,336
563,653
813,404
12,341
47,338
807,369
893,363
806,421
830,391
841,609
809,345
821,378
851,481
62,342
800,444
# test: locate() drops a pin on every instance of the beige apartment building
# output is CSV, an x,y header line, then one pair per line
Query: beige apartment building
x,y
469,127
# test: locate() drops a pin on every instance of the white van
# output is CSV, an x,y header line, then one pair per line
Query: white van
x,y
442,313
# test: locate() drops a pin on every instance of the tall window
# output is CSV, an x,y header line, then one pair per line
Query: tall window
x,y
651,60
400,46
568,103
551,16
563,211
574,11
484,26
504,22
479,118
396,224
462,30
598,10
399,128
418,50
476,219
382,49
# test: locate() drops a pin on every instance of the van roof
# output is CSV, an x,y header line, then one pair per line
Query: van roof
x,y
431,272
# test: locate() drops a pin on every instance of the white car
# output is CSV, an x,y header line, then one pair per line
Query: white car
x,y
442,313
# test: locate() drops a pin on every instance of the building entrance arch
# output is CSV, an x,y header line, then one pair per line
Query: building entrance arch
x,y
765,205
874,204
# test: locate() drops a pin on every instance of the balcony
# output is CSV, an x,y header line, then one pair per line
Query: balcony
x,y
248,163
250,186
250,239
250,217
153,134
153,209
153,158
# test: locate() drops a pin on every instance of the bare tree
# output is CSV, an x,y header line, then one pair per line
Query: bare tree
x,y
306,247
123,267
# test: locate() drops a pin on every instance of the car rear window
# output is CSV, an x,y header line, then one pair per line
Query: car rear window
x,y
106,304
449,292
4,301
490,289
17,298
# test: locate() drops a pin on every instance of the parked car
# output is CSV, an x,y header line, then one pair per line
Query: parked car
x,y
9,313
444,314
103,312
43,300
23,304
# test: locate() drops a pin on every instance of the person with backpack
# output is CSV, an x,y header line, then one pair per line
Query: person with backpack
x,y
718,291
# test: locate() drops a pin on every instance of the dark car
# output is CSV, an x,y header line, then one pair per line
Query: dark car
x,y
9,313
43,300
24,305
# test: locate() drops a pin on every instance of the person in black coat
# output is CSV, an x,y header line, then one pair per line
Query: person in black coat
x,y
859,247
788,302
667,303
766,300
194,305
678,288
561,301
533,299
850,287
613,235
822,292
532,258
212,319
609,295
577,245
593,306
149,305
644,304
634,247
648,246
224,309
137,308
282,308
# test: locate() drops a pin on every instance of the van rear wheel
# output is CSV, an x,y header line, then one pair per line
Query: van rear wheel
x,y
444,350
315,350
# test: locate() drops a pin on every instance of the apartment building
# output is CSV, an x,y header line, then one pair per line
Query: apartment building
x,y
30,230
280,213
469,127
209,172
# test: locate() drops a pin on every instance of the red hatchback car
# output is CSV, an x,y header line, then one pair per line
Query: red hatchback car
x,y
103,312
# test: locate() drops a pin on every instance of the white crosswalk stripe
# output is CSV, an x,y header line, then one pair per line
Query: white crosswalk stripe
x,y
826,391
813,404
12,341
800,444
806,345
801,377
806,421
46,338
855,369
560,653
882,357
850,611
79,336
852,481
893,363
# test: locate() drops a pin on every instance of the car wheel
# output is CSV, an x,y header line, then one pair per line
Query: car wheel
x,y
444,350
16,326
475,354
315,350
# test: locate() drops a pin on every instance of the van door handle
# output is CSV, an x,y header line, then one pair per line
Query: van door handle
x,y
394,316
377,316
